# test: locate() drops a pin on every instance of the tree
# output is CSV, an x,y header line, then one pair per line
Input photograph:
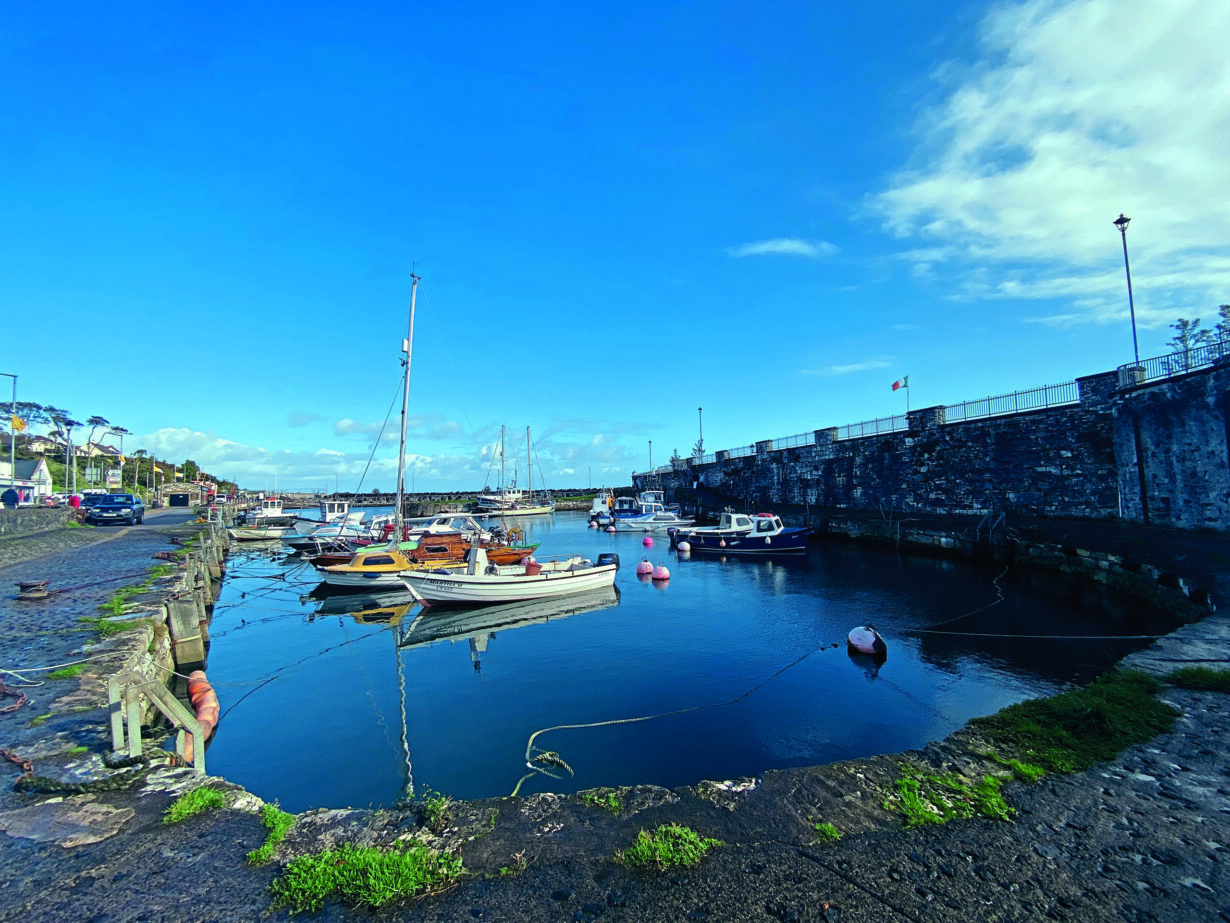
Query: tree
x,y
1223,322
1189,337
94,423
190,470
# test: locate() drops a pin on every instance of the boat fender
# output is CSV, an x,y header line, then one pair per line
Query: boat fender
x,y
204,703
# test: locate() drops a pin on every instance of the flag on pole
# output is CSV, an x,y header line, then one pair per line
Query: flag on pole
x,y
19,425
902,382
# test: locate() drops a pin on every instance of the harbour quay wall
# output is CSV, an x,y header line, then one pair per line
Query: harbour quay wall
x,y
1156,454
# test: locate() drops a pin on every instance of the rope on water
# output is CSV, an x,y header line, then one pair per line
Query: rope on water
x,y
537,760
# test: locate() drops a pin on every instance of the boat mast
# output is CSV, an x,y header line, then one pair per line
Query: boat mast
x,y
501,490
529,465
406,345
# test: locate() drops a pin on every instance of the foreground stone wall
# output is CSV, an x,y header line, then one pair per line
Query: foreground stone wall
x,y
32,519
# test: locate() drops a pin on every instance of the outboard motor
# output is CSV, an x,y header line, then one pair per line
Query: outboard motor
x,y
608,557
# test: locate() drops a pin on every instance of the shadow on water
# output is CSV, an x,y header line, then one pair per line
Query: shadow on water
x,y
728,668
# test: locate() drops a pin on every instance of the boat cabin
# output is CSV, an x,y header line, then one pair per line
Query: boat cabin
x,y
331,510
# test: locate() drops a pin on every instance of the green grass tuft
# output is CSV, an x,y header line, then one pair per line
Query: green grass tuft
x,y
669,845
937,798
827,832
1072,731
191,803
1201,679
363,876
68,672
277,822
609,802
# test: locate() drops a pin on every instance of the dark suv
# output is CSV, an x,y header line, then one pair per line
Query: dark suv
x,y
127,508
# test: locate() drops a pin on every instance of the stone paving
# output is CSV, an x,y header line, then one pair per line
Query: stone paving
x,y
1141,838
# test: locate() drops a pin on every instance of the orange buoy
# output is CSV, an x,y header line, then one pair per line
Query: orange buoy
x,y
205,703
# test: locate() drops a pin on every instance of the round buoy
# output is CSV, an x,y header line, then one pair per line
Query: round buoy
x,y
592,524
866,640
661,573
684,547
647,542
644,567
610,528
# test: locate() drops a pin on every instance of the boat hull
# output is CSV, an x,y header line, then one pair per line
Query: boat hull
x,y
788,541
480,589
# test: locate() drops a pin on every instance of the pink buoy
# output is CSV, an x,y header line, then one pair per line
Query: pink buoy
x,y
722,543
644,567
647,542
610,528
661,573
592,524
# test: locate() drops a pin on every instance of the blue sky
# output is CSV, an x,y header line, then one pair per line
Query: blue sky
x,y
620,214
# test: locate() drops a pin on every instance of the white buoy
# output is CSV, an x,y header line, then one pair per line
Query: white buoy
x,y
684,547
592,524
866,640
661,573
610,528
647,542
644,567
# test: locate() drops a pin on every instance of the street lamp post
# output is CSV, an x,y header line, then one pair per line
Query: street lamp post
x,y
700,423
1121,223
12,433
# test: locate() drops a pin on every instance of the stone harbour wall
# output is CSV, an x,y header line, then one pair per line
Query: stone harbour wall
x,y
1172,450
1155,454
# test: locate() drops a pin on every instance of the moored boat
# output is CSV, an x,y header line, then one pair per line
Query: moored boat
x,y
744,533
480,582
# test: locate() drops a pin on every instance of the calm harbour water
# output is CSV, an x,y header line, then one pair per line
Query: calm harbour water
x,y
730,668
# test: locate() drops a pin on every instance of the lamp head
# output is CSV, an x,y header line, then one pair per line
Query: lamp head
x,y
1121,223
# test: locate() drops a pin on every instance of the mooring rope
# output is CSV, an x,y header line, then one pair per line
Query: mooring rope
x,y
536,760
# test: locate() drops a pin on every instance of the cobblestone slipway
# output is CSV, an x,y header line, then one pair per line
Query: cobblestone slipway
x,y
1142,838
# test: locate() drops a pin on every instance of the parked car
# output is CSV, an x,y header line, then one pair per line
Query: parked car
x,y
127,508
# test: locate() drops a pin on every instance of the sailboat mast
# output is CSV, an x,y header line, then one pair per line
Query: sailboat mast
x,y
501,459
529,465
406,347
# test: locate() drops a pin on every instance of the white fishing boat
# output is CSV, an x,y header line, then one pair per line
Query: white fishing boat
x,y
257,533
481,582
653,518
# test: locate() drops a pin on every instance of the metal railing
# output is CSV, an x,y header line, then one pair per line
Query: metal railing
x,y
1060,395
893,424
1175,364
1015,402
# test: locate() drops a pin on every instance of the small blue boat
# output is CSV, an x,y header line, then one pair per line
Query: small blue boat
x,y
745,533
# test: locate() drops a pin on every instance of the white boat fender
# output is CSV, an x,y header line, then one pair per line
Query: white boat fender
x,y
866,640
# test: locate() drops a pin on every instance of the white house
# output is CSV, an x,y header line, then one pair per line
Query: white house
x,y
32,481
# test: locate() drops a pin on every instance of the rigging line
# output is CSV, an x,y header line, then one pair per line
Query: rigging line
x,y
379,436
460,400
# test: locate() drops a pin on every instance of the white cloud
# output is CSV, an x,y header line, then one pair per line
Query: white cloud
x,y
833,371
785,246
1075,112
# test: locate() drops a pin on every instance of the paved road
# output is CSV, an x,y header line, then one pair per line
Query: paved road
x,y
1142,838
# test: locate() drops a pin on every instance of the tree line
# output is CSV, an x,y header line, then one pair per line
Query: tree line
x,y
61,425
